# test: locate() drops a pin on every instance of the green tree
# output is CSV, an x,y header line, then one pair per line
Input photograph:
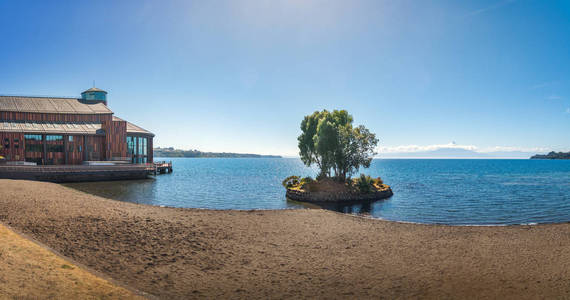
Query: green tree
x,y
329,140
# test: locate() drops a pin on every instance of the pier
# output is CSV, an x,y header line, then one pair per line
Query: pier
x,y
162,167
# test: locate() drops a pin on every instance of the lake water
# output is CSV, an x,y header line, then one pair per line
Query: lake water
x,y
457,192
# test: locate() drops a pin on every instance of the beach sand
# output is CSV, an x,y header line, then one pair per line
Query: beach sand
x,y
29,271
190,253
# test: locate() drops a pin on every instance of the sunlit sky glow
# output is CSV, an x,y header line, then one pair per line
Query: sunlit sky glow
x,y
238,76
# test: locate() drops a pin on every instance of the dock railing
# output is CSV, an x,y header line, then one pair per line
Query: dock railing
x,y
162,167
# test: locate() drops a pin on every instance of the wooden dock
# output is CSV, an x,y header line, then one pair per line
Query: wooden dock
x,y
162,167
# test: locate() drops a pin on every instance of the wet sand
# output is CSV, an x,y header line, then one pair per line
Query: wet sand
x,y
189,253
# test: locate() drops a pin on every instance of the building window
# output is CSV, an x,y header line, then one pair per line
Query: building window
x,y
54,138
137,149
33,137
71,138
144,148
130,145
141,151
33,148
33,143
54,143
7,143
140,144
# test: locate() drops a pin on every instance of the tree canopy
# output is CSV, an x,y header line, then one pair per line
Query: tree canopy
x,y
329,140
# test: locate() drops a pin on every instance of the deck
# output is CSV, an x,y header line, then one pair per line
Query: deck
x,y
77,173
162,167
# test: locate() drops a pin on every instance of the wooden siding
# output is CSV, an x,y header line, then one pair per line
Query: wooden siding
x,y
40,117
83,147
150,153
79,149
115,139
34,156
55,158
12,146
75,149
94,147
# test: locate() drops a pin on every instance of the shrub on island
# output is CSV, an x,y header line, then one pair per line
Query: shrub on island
x,y
291,181
330,141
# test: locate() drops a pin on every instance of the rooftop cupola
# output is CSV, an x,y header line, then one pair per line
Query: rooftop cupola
x,y
94,95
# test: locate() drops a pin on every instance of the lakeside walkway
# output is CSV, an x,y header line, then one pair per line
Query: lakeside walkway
x,y
189,253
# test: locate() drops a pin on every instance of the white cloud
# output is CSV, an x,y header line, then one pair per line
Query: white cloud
x,y
417,148
543,85
513,149
428,148
491,7
553,97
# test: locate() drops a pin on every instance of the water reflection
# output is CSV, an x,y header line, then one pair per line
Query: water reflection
x,y
364,207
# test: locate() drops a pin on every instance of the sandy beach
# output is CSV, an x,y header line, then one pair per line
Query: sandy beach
x,y
188,253
30,271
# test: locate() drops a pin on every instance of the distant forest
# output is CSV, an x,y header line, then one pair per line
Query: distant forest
x,y
552,155
171,152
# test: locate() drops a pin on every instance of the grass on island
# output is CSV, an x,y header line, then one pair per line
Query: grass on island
x,y
29,271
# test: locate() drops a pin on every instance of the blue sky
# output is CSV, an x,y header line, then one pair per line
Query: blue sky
x,y
240,75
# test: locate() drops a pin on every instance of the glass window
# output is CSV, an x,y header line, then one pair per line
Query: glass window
x,y
71,138
130,145
137,148
33,143
140,144
54,143
35,137
54,138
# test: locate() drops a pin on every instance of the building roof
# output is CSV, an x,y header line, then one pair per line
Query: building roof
x,y
94,89
51,128
132,128
50,105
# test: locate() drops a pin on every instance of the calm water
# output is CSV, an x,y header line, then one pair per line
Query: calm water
x,y
457,192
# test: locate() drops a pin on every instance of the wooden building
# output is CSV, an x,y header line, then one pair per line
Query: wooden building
x,y
56,131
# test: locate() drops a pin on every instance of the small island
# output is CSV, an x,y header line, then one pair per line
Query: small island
x,y
363,188
329,141
552,155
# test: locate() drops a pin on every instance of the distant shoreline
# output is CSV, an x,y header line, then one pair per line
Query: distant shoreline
x,y
552,155
171,152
